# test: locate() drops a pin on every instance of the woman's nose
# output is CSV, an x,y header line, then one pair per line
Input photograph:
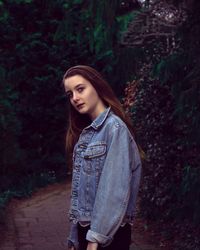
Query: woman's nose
x,y
75,97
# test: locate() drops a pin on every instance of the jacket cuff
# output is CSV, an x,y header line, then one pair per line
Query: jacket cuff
x,y
71,243
99,238
73,236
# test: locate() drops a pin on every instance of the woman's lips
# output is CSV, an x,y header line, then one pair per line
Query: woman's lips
x,y
79,106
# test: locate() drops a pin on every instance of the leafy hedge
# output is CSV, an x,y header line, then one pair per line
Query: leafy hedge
x,y
166,112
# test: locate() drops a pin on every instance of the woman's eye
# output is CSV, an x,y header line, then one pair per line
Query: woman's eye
x,y
69,95
80,89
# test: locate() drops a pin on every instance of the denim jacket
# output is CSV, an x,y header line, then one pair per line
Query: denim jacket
x,y
106,177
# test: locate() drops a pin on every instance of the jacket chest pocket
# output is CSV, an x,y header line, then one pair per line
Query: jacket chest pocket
x,y
94,157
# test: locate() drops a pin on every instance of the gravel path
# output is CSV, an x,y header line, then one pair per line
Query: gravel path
x,y
40,222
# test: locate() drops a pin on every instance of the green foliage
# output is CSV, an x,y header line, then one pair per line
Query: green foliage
x,y
9,126
166,113
152,114
33,64
190,193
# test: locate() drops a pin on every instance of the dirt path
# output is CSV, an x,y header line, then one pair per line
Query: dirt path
x,y
40,223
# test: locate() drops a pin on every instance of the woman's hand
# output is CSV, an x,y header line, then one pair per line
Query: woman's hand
x,y
92,246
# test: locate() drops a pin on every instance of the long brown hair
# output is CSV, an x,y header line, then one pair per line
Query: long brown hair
x,y
76,121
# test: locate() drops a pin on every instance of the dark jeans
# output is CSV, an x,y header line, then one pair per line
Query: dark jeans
x,y
121,240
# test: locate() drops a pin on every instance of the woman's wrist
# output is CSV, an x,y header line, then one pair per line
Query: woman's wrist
x,y
92,246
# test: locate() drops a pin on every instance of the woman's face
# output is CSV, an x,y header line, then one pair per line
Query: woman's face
x,y
83,96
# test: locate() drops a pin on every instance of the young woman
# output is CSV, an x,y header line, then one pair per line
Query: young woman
x,y
106,164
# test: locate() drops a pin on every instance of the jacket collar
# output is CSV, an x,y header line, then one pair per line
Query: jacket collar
x,y
100,119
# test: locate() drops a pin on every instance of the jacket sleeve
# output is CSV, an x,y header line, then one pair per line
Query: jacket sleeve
x,y
114,187
73,235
